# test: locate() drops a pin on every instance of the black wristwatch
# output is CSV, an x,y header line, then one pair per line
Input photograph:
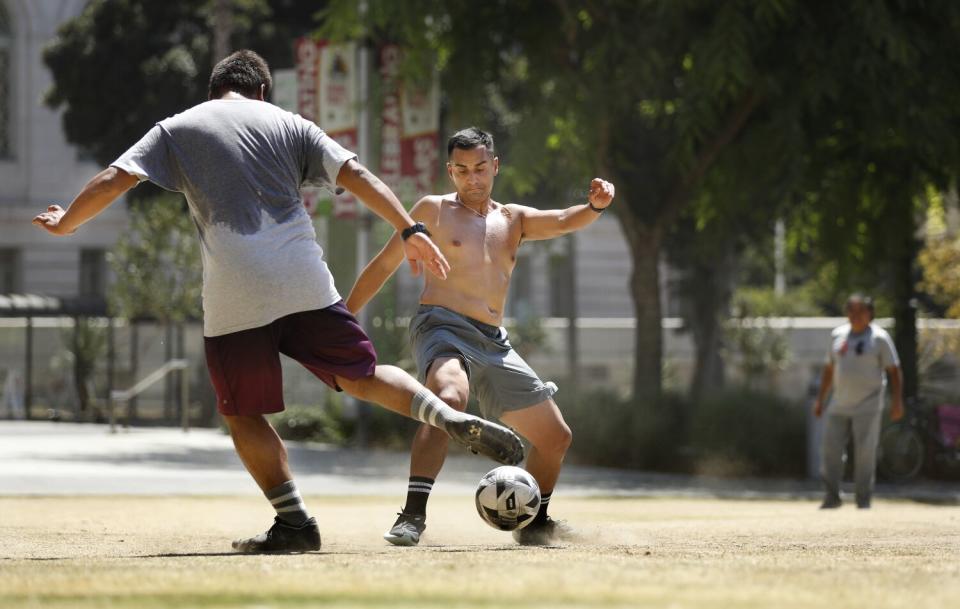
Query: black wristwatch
x,y
599,210
419,227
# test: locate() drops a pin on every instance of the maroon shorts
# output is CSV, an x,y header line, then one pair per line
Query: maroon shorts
x,y
245,366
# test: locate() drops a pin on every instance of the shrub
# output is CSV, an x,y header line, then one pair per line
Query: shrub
x,y
733,433
312,423
742,432
614,432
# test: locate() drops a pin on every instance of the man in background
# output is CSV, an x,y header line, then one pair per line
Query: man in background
x,y
862,357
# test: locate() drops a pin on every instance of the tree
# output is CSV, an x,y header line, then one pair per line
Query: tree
x,y
122,65
157,264
659,95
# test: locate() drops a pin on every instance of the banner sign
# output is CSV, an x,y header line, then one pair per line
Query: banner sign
x,y
410,118
327,95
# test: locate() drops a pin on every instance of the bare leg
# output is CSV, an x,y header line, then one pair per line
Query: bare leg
x,y
448,380
388,386
544,426
396,390
261,450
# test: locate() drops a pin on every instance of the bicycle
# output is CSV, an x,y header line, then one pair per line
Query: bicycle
x,y
924,436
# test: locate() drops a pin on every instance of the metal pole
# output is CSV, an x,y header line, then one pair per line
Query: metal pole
x,y
184,399
134,367
111,357
28,374
573,339
363,216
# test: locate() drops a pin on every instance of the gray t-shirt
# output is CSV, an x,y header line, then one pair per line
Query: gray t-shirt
x,y
240,164
859,362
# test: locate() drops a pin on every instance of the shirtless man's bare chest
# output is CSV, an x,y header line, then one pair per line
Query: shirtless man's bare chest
x,y
482,252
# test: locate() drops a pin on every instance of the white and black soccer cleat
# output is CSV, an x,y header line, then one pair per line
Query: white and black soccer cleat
x,y
406,530
282,538
482,437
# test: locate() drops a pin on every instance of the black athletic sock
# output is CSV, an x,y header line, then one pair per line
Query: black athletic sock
x,y
542,512
418,491
288,503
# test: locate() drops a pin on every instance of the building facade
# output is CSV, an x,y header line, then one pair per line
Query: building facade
x,y
38,167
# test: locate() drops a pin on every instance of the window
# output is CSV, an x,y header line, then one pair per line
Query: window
x,y
6,44
93,272
10,274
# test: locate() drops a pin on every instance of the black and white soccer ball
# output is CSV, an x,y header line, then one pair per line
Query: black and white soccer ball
x,y
508,498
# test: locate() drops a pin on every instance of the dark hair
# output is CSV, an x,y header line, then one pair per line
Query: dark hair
x,y
858,298
468,139
243,71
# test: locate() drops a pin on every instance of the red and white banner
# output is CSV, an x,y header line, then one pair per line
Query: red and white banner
x,y
410,117
327,94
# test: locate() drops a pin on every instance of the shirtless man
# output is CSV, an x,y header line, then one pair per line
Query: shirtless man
x,y
456,334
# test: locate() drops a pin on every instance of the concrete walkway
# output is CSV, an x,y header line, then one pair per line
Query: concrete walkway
x,y
43,458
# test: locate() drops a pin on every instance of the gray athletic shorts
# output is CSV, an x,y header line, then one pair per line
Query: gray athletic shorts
x,y
499,376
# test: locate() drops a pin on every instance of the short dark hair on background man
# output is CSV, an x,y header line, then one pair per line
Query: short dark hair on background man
x,y
468,139
243,71
858,298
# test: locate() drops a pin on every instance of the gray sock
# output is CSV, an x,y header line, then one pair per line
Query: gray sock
x,y
289,504
433,411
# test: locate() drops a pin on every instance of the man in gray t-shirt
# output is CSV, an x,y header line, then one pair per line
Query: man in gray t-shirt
x,y
240,162
861,357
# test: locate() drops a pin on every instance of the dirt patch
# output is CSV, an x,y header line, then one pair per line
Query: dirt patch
x,y
149,552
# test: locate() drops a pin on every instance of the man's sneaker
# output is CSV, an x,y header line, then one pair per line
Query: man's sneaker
x,y
482,437
282,538
544,533
407,529
831,503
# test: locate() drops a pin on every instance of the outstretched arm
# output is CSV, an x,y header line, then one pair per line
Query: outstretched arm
x,y
547,224
375,274
380,199
384,264
96,196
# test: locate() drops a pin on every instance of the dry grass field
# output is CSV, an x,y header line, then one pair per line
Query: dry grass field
x,y
167,552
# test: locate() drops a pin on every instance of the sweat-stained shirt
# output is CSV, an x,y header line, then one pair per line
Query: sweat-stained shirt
x,y
240,164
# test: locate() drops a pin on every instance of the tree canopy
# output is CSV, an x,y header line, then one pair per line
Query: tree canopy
x,y
122,65
836,117
723,107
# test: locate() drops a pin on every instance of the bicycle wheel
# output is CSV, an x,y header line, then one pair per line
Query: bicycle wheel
x,y
902,453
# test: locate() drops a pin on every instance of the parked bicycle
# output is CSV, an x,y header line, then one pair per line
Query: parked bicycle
x,y
925,436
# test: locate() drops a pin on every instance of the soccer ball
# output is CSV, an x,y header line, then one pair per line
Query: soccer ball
x,y
508,498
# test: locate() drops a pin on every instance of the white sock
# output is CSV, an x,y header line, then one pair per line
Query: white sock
x,y
430,409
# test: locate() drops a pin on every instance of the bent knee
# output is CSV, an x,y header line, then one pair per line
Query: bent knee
x,y
556,441
453,398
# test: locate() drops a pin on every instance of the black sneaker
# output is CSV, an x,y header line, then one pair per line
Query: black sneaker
x,y
407,529
282,538
544,533
831,503
482,437
863,503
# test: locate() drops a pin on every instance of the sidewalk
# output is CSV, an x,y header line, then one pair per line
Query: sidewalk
x,y
43,458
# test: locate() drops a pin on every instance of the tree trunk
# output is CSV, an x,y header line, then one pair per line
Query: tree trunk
x,y
904,299
709,303
648,337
